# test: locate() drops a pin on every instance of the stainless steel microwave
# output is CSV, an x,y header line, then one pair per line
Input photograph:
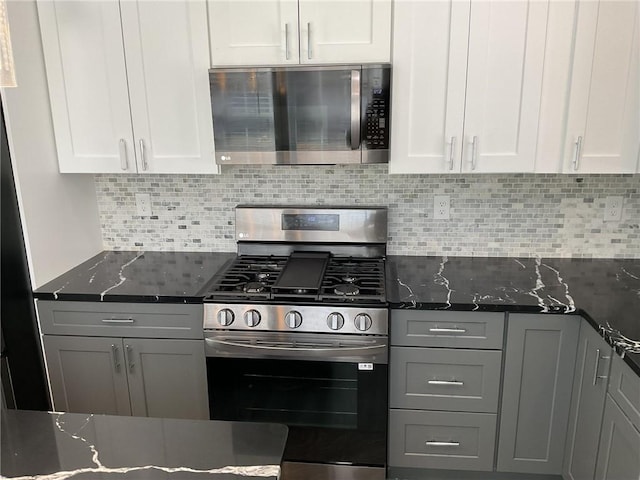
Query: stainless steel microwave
x,y
329,114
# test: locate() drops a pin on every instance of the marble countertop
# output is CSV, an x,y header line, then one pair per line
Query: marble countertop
x,y
125,276
604,291
57,446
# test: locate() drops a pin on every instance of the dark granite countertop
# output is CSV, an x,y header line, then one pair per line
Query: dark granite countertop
x,y
604,291
57,446
123,276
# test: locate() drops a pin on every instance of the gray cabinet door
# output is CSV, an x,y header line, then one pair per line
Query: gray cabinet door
x,y
538,374
587,405
167,378
619,453
87,374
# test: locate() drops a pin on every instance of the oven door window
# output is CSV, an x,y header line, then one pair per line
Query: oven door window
x,y
298,393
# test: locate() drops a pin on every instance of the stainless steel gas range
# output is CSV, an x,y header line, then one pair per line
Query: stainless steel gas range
x,y
296,332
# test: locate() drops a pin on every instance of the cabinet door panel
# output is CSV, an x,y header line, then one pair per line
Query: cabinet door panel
x,y
84,56
167,65
587,404
429,73
504,81
262,32
345,31
605,89
538,369
87,374
167,378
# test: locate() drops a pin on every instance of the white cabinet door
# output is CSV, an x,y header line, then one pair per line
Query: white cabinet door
x,y
166,45
504,81
603,129
87,78
429,74
255,32
345,31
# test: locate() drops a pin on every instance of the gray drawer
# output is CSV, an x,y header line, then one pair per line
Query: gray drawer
x,y
624,387
426,328
441,379
137,320
449,440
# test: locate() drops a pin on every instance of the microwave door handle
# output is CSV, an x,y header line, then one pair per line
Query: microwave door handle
x,y
355,109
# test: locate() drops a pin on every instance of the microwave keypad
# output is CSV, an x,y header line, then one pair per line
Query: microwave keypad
x,y
376,133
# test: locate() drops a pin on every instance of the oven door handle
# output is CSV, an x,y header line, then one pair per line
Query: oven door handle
x,y
292,347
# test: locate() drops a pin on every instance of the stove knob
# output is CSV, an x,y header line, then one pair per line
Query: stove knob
x,y
363,322
252,318
293,319
335,321
225,317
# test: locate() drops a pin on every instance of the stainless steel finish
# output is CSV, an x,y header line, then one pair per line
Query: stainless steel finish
x,y
442,444
452,152
355,109
295,345
128,353
143,156
597,367
445,382
576,158
362,322
225,317
357,225
293,319
286,41
321,471
314,318
474,153
124,161
116,362
309,40
252,318
448,330
335,321
299,157
118,320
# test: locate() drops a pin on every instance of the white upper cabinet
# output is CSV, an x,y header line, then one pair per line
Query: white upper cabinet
x,y
275,32
467,78
603,126
129,85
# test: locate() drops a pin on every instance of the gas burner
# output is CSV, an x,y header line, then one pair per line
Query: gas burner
x,y
348,278
263,275
347,289
253,287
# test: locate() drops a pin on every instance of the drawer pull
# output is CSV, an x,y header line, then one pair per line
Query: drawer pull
x,y
448,330
445,382
442,444
118,320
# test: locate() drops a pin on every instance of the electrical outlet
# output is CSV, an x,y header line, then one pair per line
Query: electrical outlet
x,y
441,204
613,209
143,204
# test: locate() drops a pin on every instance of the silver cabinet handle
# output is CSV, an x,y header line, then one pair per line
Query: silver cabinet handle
x,y
442,444
448,330
452,152
116,363
286,41
576,158
474,152
309,40
143,156
597,366
118,320
124,161
445,382
128,351
355,109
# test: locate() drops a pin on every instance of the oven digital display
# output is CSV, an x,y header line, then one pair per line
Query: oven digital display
x,y
324,222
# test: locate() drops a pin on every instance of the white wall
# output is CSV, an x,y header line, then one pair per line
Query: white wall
x,y
59,212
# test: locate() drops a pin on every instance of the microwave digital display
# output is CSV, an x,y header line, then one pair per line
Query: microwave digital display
x,y
327,222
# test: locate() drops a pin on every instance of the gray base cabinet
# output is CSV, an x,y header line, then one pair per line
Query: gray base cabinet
x,y
115,373
593,363
538,373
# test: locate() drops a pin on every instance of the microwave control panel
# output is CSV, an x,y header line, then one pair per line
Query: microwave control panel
x,y
375,90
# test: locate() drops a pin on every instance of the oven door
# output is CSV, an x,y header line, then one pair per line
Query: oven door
x,y
335,404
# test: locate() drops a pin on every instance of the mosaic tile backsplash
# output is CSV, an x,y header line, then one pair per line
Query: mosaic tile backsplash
x,y
491,215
